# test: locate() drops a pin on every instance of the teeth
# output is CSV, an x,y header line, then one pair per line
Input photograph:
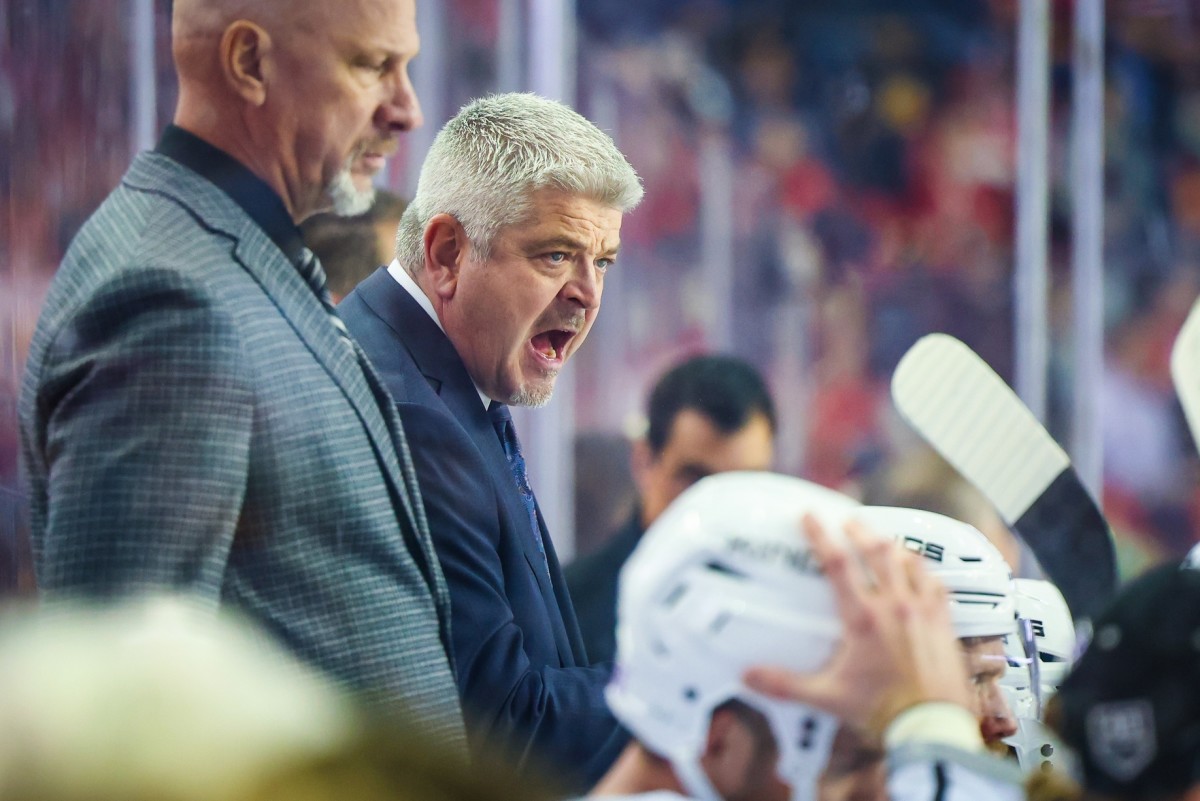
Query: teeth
x,y
553,353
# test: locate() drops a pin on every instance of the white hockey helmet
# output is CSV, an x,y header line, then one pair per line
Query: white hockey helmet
x,y
724,580
975,574
1042,611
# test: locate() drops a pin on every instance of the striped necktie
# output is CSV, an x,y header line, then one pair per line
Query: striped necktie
x,y
502,421
310,269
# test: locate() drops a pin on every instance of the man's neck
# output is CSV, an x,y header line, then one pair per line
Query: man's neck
x,y
234,138
423,299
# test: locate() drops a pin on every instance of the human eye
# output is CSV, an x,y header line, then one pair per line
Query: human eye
x,y
557,257
374,64
603,264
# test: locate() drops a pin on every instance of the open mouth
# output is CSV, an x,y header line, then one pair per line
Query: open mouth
x,y
551,345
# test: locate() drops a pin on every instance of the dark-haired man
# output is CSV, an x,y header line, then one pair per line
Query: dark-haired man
x,y
710,414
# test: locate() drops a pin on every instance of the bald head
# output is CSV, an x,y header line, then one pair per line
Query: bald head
x,y
197,27
196,16
310,95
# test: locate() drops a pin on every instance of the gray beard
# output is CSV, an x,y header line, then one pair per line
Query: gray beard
x,y
348,200
534,398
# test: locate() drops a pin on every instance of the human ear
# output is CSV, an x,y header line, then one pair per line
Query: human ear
x,y
245,48
446,249
728,751
641,460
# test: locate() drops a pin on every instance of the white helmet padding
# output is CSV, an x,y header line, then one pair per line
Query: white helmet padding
x,y
975,574
1041,608
724,580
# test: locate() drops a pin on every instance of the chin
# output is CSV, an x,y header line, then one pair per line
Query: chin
x,y
348,197
533,394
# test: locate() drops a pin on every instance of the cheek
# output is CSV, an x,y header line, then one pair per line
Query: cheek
x,y
996,704
979,701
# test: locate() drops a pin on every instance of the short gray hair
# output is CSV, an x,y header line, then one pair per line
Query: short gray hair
x,y
495,153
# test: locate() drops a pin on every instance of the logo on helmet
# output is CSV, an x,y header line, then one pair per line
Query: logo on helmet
x,y
930,550
1121,737
799,559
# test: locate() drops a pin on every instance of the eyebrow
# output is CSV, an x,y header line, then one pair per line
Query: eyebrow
x,y
568,243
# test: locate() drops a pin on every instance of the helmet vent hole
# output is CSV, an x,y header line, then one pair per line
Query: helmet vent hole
x,y
719,623
725,570
690,694
674,596
808,729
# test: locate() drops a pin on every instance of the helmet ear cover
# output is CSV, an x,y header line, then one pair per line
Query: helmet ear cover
x,y
723,581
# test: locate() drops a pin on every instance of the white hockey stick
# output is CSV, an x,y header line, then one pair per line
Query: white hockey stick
x,y
1185,370
966,412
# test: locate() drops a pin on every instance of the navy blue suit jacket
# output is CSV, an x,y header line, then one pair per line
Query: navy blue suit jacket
x,y
522,671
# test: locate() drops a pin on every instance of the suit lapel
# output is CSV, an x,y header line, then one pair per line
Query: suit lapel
x,y
567,636
308,317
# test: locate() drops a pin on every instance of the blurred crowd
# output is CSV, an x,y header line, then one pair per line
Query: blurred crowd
x,y
871,153
873,202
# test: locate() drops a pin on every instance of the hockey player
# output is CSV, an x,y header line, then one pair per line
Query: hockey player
x,y
723,582
982,611
978,583
1039,656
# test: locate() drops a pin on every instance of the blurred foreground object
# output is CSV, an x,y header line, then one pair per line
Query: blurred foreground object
x,y
1131,705
160,700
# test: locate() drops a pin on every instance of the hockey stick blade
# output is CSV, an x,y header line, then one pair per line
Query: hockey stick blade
x,y
966,412
1185,370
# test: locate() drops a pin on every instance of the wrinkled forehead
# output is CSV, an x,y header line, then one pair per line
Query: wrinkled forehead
x,y
549,209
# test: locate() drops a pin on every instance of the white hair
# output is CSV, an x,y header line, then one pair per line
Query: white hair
x,y
495,153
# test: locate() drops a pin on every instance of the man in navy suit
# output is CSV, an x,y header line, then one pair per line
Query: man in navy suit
x,y
500,267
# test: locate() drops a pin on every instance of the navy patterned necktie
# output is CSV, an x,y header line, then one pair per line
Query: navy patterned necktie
x,y
503,423
311,271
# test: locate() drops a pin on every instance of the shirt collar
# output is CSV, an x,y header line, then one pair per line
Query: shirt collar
x,y
246,189
396,271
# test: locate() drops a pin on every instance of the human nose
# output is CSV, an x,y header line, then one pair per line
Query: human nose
x,y
585,287
401,109
998,720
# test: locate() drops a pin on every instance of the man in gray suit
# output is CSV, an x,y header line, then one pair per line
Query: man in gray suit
x,y
194,416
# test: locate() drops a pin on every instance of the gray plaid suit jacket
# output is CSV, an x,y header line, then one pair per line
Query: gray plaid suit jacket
x,y
191,421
